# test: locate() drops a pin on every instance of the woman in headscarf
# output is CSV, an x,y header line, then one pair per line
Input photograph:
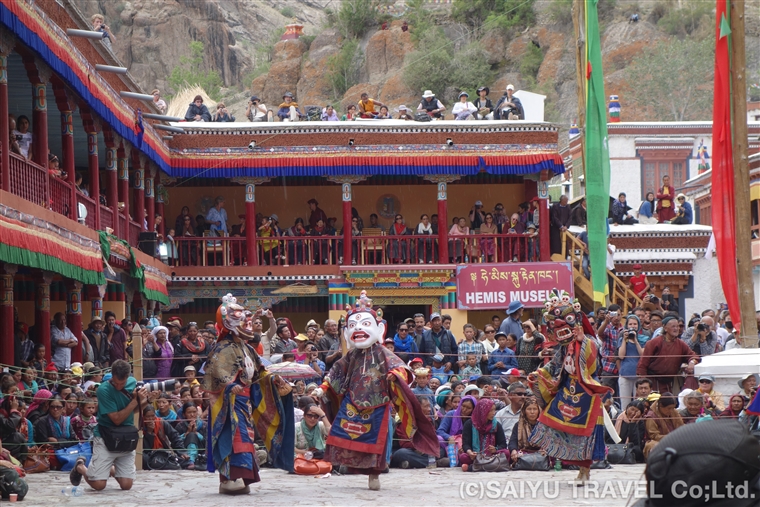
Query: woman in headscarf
x,y
13,427
164,351
662,419
482,434
39,406
450,429
518,441
312,431
192,431
735,407
632,429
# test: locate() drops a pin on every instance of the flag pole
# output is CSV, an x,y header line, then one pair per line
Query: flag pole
x,y
580,66
741,178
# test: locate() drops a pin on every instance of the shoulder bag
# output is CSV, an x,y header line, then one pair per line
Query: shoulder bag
x,y
498,462
620,454
122,438
532,461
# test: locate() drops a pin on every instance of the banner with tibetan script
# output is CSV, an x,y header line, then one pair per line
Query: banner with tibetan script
x,y
493,286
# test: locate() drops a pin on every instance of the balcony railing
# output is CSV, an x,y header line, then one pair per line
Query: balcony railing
x,y
89,205
365,250
134,233
29,181
60,196
106,218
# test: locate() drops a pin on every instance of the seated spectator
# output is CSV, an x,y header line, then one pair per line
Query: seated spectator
x,y
329,114
54,167
662,419
464,110
406,456
312,431
483,104
457,246
374,224
255,110
99,25
159,434
439,370
735,407
71,407
685,215
78,184
747,383
191,430
54,428
158,102
289,110
509,107
452,424
383,114
421,389
693,406
351,114
621,211
632,429
23,137
367,106
714,400
518,440
165,410
197,110
84,423
431,105
482,434
297,249
646,210
404,113
222,115
40,406
15,148
13,427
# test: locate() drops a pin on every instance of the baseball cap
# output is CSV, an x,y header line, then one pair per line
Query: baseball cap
x,y
435,315
189,368
707,377
438,357
478,203
513,371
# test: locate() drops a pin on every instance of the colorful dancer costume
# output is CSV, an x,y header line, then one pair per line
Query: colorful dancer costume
x,y
237,382
362,385
568,392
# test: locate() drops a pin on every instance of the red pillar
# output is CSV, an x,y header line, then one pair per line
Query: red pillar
x,y
123,166
68,165
139,194
250,225
40,127
112,187
150,200
5,148
93,171
347,225
443,223
74,317
159,190
42,311
543,229
6,313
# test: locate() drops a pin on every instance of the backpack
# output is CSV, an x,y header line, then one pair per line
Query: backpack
x,y
12,483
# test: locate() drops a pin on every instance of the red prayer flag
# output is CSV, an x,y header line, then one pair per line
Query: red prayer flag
x,y
723,209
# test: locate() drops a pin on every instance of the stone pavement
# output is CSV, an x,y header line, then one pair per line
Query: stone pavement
x,y
439,487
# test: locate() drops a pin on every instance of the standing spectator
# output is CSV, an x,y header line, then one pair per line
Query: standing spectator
x,y
610,332
116,336
665,356
101,348
431,105
158,102
329,344
630,349
579,215
316,213
23,137
399,248
477,216
685,214
701,338
222,115
483,104
190,351
559,216
503,358
99,25
665,195
437,339
256,111
529,345
197,110
217,217
646,210
464,109
513,323
288,110
23,347
425,246
488,245
638,282
367,106
620,211
509,107
62,340
470,346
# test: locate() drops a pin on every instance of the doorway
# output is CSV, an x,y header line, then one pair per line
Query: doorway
x,y
395,314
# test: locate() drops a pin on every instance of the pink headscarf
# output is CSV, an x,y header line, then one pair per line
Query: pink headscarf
x,y
41,397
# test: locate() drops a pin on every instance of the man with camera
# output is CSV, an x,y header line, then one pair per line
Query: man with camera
x,y
701,338
255,110
609,332
116,435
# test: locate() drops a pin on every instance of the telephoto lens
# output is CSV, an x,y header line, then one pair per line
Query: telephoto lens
x,y
166,385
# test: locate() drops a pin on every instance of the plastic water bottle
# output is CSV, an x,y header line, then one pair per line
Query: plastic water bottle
x,y
431,461
72,491
558,466
308,455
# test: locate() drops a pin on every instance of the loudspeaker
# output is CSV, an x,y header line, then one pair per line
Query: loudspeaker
x,y
146,242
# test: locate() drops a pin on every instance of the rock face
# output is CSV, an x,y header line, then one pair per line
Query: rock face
x,y
284,73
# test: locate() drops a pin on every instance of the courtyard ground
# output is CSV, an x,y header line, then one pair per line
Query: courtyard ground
x,y
438,487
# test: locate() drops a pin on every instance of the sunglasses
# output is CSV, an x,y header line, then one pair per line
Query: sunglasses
x,y
489,332
399,218
705,381
520,394
403,330
312,416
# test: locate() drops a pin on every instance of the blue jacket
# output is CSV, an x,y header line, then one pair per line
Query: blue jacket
x,y
688,213
192,110
445,427
511,326
443,341
645,209
506,356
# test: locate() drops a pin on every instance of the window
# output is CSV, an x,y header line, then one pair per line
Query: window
x,y
653,171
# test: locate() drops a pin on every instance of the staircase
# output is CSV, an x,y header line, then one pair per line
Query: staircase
x,y
620,294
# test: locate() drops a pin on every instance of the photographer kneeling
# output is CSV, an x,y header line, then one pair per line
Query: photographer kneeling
x,y
116,435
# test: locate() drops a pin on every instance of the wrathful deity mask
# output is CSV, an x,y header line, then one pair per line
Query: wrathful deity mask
x,y
363,330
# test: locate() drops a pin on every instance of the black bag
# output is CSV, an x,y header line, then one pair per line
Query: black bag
x,y
422,117
621,454
161,459
498,462
600,465
11,483
532,461
119,438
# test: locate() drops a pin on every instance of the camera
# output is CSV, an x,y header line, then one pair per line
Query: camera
x,y
164,386
612,313
701,327
252,145
631,334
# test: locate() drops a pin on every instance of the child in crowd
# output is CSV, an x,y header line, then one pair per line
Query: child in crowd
x,y
439,369
472,367
165,410
190,379
422,378
191,430
84,423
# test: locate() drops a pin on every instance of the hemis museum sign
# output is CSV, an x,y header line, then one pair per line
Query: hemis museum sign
x,y
494,286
